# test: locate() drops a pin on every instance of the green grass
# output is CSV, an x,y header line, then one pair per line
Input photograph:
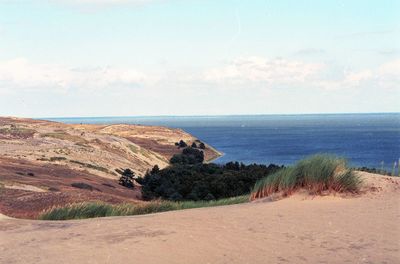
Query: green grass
x,y
133,148
90,166
65,136
99,209
57,158
17,131
317,173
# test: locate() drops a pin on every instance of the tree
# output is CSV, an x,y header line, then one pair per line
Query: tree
x,y
194,145
202,146
182,144
195,154
155,169
188,156
126,178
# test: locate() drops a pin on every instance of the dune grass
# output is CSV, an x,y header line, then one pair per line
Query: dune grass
x,y
317,173
100,209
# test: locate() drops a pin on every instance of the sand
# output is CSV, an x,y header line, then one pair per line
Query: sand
x,y
298,229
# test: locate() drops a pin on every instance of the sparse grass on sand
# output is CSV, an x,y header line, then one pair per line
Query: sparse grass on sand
x,y
316,174
99,209
65,136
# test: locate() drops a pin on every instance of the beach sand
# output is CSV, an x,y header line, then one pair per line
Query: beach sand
x,y
298,229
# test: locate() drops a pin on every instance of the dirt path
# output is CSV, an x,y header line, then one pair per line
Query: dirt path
x,y
294,230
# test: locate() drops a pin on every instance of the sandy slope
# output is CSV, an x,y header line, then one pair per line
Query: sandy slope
x,y
299,229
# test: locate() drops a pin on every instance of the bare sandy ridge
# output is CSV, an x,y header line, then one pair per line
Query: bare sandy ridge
x,y
99,149
299,229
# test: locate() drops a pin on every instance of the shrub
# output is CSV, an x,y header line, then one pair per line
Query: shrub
x,y
108,185
82,185
373,170
188,156
57,158
126,178
202,181
316,174
182,144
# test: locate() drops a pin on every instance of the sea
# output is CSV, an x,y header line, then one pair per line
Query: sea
x,y
370,140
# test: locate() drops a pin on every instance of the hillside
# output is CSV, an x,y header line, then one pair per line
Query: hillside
x,y
298,229
41,160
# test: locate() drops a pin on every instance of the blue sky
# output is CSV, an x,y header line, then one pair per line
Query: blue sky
x,y
198,57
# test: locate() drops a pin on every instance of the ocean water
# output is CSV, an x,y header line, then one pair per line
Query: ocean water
x,y
371,140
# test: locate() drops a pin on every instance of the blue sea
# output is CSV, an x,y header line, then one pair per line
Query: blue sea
x,y
371,140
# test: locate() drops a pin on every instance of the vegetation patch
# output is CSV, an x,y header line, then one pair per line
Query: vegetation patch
x,y
98,209
377,171
126,178
108,185
317,173
202,181
189,155
53,189
133,148
90,166
18,132
57,158
82,185
65,136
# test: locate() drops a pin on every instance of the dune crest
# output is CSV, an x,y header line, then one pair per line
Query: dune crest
x,y
361,229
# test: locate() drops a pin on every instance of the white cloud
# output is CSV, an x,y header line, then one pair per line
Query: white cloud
x,y
21,74
256,69
391,68
250,72
275,73
385,76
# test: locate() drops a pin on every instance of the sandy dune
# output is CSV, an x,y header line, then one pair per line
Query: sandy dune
x,y
298,229
99,149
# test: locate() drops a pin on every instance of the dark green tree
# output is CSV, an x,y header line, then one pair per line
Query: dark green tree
x,y
182,144
188,156
126,178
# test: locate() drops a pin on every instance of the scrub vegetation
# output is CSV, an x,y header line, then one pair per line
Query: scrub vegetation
x,y
316,174
97,209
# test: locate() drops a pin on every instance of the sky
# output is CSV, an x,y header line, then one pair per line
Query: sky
x,y
71,58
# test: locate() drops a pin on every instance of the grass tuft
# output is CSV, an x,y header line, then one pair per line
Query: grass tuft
x,y
99,209
317,173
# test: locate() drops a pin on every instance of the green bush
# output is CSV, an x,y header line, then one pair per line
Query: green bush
x,y
317,173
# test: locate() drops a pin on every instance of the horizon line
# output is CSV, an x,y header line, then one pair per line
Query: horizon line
x,y
221,115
